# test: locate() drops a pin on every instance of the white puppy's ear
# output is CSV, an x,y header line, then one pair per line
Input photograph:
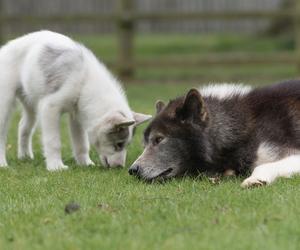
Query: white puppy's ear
x,y
124,124
118,120
140,118
113,122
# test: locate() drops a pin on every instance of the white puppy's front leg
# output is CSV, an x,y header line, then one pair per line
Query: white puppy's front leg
x,y
80,143
50,114
267,173
26,128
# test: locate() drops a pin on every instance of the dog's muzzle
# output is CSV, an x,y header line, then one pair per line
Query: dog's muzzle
x,y
137,171
134,170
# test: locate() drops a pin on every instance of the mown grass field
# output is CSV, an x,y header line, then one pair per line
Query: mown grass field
x,y
120,212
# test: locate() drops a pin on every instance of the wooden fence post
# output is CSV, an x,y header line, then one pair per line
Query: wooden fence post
x,y
297,32
1,23
125,38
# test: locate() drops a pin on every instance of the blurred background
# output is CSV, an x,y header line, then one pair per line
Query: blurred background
x,y
173,40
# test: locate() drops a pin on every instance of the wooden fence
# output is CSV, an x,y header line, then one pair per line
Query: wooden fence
x,y
126,17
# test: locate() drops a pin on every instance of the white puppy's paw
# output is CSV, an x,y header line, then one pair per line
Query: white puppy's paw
x,y
85,161
89,162
25,156
254,181
58,166
3,164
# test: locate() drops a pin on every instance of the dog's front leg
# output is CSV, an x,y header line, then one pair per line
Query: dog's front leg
x,y
267,173
80,143
50,112
26,129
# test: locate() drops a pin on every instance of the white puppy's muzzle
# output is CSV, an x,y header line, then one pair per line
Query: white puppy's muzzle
x,y
116,160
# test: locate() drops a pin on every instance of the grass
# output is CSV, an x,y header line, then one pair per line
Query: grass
x,y
120,212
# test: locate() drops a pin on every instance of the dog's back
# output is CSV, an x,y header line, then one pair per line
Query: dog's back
x,y
276,112
252,127
16,50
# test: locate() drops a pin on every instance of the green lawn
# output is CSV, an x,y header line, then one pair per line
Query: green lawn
x,y
119,212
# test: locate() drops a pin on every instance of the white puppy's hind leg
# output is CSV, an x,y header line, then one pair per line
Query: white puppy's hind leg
x,y
80,143
26,129
50,123
6,103
267,173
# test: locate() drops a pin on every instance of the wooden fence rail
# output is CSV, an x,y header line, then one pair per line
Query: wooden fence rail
x,y
297,32
126,17
142,16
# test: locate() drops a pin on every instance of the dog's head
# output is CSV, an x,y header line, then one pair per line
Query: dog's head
x,y
112,133
175,139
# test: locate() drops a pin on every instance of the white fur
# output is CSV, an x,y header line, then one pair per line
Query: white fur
x,y
74,82
273,162
267,173
224,90
266,153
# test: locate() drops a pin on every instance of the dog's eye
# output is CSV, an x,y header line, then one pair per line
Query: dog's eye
x,y
157,140
120,129
119,146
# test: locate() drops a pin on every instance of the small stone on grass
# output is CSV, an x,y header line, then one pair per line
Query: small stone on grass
x,y
72,207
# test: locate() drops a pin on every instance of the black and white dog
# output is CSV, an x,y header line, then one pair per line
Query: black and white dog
x,y
225,127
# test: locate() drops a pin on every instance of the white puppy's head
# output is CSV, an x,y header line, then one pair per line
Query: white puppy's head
x,y
112,134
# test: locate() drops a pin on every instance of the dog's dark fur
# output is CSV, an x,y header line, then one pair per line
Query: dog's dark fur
x,y
195,134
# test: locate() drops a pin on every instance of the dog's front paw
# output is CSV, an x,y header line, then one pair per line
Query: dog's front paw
x,y
3,164
253,181
24,156
89,163
56,166
86,161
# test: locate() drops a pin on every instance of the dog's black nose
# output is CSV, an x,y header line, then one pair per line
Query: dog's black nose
x,y
134,169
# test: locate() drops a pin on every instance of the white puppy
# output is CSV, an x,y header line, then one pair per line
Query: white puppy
x,y
51,74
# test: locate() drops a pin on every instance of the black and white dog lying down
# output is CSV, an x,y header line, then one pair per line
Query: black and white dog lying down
x,y
225,127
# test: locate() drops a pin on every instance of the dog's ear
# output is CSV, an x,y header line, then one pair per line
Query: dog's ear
x,y
113,121
118,121
193,108
140,118
124,124
159,105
